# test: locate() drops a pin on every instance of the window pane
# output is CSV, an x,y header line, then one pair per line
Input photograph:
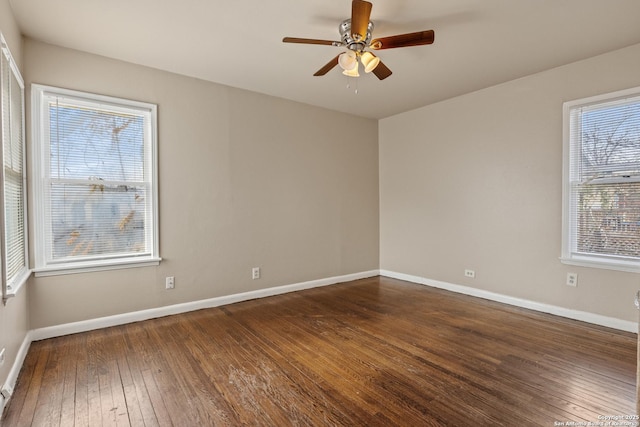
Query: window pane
x,y
90,143
609,219
14,245
610,141
97,220
14,222
13,158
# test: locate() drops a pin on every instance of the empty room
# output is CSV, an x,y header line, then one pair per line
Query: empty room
x,y
344,213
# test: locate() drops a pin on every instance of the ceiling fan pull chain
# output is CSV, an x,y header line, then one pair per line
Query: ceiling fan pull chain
x,y
349,79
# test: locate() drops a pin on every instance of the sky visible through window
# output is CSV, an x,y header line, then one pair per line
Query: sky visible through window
x,y
610,140
93,143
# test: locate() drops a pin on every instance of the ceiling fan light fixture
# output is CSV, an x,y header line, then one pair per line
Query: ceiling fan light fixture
x,y
369,61
353,72
356,36
348,60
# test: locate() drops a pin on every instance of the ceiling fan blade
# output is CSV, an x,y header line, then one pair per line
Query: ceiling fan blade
x,y
382,71
404,40
324,70
310,41
360,14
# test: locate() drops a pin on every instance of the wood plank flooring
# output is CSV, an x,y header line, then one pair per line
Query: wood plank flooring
x,y
373,352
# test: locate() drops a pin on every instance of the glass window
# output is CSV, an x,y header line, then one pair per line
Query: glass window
x,y
15,265
602,181
96,181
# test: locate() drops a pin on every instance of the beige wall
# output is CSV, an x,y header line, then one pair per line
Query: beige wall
x,y
475,182
13,316
245,180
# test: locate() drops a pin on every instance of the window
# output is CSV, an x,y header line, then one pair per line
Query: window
x,y
601,216
15,265
95,181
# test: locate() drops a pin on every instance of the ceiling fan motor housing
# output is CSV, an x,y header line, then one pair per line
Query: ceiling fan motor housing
x,y
349,41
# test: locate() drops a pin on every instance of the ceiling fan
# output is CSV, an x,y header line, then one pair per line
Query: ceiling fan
x,y
355,35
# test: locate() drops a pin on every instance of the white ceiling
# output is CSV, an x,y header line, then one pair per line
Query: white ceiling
x,y
478,43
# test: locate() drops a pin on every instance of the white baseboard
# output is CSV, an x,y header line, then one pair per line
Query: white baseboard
x,y
12,378
597,319
121,319
103,322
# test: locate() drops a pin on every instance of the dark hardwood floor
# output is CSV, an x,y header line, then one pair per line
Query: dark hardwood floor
x,y
371,352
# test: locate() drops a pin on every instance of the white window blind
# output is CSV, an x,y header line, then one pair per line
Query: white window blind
x,y
96,191
14,243
602,181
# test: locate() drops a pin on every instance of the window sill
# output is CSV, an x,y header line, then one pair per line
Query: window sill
x,y
95,266
604,263
14,287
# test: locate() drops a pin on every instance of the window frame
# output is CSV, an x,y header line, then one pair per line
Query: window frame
x,y
570,254
40,175
11,285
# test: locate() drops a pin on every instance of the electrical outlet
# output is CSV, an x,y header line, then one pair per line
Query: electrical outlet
x,y
255,273
169,282
572,279
470,273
